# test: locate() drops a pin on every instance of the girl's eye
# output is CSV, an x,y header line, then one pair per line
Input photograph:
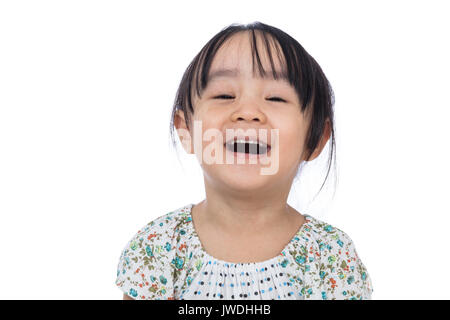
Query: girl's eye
x,y
224,96
277,99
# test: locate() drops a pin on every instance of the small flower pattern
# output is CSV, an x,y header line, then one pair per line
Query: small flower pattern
x,y
165,260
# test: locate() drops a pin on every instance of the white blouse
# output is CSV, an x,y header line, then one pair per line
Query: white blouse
x,y
165,260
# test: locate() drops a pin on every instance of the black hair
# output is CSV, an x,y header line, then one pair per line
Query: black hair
x,y
304,74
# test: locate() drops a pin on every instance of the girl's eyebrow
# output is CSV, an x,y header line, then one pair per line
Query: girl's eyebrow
x,y
233,73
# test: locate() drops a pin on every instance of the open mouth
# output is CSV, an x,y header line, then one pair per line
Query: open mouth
x,y
247,147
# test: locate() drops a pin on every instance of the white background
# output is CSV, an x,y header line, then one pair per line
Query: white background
x,y
86,91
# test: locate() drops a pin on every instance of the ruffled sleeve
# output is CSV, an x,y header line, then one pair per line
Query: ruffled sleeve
x,y
144,271
343,274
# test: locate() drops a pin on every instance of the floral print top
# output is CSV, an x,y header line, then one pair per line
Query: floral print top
x,y
165,260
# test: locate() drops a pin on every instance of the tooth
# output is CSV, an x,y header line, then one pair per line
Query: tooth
x,y
245,141
252,142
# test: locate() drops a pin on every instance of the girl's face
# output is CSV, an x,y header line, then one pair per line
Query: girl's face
x,y
249,103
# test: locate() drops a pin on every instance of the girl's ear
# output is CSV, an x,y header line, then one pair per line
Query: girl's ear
x,y
323,141
184,135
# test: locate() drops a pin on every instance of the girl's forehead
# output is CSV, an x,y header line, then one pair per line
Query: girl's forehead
x,y
236,58
234,73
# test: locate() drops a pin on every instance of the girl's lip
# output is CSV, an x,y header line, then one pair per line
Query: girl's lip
x,y
246,139
248,155
267,145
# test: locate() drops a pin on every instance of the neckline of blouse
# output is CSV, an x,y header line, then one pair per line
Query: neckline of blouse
x,y
272,260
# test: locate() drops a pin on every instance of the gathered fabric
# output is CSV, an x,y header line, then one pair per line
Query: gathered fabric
x,y
165,260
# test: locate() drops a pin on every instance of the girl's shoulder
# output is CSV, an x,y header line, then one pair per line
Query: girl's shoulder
x,y
324,233
340,268
146,263
164,228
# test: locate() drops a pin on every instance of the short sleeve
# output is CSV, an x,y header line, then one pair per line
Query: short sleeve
x,y
144,271
344,275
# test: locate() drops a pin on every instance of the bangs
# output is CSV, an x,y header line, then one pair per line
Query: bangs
x,y
201,74
291,67
298,67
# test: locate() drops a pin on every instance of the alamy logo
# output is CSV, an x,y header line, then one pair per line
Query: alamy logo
x,y
239,146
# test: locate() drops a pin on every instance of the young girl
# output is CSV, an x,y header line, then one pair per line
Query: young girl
x,y
269,106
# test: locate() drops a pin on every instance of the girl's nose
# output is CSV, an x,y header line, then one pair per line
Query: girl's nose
x,y
248,112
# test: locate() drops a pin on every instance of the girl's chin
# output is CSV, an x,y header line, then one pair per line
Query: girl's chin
x,y
246,182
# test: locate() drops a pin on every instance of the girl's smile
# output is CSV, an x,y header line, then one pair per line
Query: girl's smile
x,y
248,153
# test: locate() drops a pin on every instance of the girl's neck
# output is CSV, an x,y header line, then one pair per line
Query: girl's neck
x,y
236,217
